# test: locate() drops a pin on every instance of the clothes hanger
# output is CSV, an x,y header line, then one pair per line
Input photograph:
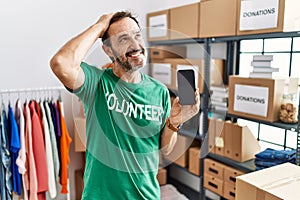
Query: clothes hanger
x,y
59,95
2,103
8,98
25,92
52,99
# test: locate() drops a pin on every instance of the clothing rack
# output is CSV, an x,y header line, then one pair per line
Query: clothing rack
x,y
31,91
48,128
28,90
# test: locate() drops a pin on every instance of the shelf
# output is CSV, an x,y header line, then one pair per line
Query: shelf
x,y
256,36
247,166
291,127
278,124
227,38
181,41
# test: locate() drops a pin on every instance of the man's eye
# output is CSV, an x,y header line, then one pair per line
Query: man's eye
x,y
123,39
138,36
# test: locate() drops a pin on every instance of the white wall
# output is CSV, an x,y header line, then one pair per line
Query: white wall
x,y
33,30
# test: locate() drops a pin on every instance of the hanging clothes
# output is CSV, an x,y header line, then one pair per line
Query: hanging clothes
x,y
65,142
58,119
30,175
57,129
6,158
22,152
53,142
34,151
14,150
49,154
39,150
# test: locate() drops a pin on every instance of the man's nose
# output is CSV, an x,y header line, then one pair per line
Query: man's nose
x,y
135,44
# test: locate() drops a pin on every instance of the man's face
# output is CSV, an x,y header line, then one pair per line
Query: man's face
x,y
127,44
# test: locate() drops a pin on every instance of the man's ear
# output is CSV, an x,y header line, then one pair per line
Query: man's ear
x,y
108,50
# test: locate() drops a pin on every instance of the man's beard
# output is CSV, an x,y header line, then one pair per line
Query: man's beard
x,y
126,65
124,62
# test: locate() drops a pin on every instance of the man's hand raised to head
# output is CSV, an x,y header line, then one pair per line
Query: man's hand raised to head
x,y
66,62
104,21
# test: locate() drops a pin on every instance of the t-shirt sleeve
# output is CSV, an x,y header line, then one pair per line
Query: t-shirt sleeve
x,y
92,76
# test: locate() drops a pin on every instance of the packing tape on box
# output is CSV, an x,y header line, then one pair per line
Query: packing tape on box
x,y
263,190
280,182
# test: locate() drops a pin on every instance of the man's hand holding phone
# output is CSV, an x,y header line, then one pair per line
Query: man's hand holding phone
x,y
188,103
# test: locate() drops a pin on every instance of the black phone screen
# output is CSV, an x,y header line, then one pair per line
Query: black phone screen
x,y
186,86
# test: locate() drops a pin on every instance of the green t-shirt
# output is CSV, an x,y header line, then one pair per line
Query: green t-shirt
x,y
123,128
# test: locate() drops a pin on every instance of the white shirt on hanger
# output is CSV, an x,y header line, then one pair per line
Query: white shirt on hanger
x,y
49,157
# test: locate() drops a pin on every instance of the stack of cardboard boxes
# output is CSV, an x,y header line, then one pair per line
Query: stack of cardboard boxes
x,y
219,18
229,140
165,69
163,61
166,60
220,178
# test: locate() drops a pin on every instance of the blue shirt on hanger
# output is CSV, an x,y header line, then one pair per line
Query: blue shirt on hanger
x,y
14,149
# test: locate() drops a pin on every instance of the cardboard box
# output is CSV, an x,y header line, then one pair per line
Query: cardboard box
x,y
240,143
80,134
229,191
218,18
230,175
158,24
257,98
162,176
194,160
161,52
255,16
180,153
214,168
213,184
274,183
184,21
183,160
165,70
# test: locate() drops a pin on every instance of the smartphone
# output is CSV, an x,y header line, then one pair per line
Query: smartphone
x,y
186,86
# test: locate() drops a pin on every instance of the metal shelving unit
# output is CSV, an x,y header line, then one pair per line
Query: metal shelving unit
x,y
247,166
233,49
233,46
291,127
